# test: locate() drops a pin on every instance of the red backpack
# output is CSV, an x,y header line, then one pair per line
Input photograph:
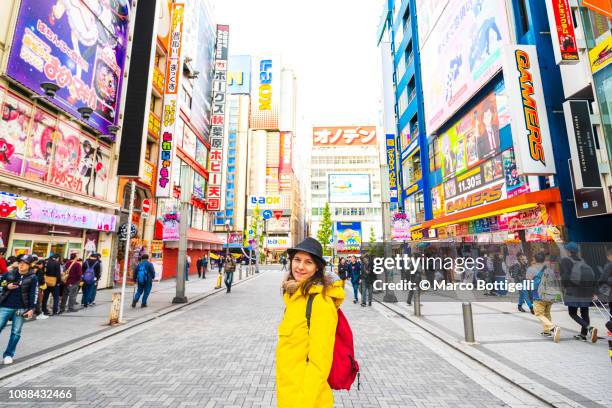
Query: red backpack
x,y
344,367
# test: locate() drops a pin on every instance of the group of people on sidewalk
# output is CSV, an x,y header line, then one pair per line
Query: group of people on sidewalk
x,y
362,278
27,282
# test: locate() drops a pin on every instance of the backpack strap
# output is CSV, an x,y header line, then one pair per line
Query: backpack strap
x,y
309,309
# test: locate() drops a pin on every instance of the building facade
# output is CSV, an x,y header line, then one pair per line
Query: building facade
x,y
485,179
345,172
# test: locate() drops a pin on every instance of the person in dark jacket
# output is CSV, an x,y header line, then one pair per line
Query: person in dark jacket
x,y
367,281
53,270
355,275
343,269
73,282
605,283
17,301
199,266
518,272
230,268
98,272
147,270
578,294
90,275
39,269
204,266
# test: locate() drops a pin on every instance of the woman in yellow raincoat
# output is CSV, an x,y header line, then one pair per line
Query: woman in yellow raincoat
x,y
304,355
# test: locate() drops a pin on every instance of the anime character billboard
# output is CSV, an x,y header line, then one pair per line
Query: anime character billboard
x,y
79,45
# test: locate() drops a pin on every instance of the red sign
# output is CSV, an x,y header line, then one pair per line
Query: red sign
x,y
566,39
146,205
277,214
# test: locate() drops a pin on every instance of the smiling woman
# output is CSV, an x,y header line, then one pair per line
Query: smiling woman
x,y
305,347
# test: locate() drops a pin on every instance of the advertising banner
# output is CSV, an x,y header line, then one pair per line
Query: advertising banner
x,y
348,236
472,139
214,192
41,147
265,92
268,202
239,75
600,55
529,121
392,163
603,7
285,160
20,208
400,227
462,53
582,144
79,46
171,223
276,225
428,11
476,198
344,136
437,201
170,109
349,188
562,31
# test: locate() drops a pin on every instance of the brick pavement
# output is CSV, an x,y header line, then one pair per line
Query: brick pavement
x,y
220,353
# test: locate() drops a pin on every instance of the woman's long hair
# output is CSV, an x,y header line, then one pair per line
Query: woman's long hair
x,y
317,279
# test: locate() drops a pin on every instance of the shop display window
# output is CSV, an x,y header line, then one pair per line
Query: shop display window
x,y
21,246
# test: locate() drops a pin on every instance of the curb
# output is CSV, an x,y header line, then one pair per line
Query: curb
x,y
523,382
109,332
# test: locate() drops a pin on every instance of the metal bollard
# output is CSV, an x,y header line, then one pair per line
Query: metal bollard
x,y
417,303
468,322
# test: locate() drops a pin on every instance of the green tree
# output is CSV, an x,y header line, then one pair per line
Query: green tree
x,y
324,234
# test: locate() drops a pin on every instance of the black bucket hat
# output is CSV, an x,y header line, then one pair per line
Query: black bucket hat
x,y
310,246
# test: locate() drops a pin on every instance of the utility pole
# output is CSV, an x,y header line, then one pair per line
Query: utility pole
x,y
185,199
127,249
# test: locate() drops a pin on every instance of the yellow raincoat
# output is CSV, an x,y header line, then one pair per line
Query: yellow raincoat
x,y
304,357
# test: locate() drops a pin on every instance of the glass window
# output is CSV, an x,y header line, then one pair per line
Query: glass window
x,y
411,169
402,102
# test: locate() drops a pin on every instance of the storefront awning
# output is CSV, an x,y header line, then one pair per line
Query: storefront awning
x,y
203,236
549,197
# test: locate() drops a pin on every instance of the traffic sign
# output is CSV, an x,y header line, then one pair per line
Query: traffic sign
x,y
278,214
267,214
146,205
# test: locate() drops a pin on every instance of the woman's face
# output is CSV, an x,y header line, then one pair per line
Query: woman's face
x,y
303,266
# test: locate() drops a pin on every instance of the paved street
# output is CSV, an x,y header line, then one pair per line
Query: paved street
x,y
220,352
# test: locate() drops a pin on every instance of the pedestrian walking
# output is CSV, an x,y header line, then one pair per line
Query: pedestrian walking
x,y
305,349
518,272
343,269
230,268
17,301
143,276
546,292
98,273
283,262
499,274
73,273
355,275
220,263
187,265
53,276
604,292
578,283
199,267
204,266
91,273
367,281
39,270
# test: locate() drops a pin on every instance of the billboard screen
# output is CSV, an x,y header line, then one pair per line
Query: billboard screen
x,y
79,46
265,100
348,236
332,136
462,53
349,188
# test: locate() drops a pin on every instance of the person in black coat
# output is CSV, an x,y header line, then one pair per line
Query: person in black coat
x,y
368,277
53,270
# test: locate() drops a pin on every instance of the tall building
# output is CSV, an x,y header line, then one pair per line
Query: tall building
x,y
58,154
488,176
345,172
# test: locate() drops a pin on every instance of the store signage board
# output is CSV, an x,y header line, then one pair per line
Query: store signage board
x,y
562,32
582,144
589,202
529,121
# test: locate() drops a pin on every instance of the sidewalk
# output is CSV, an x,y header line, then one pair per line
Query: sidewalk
x,y
510,341
42,336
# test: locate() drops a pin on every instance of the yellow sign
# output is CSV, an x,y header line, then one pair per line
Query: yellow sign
x,y
601,55
105,252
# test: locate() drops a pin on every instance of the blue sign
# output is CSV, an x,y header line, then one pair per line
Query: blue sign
x,y
267,214
392,163
239,75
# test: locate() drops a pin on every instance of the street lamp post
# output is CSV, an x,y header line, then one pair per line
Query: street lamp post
x,y
185,198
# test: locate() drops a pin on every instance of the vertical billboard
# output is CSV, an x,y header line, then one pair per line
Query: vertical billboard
x,y
200,48
265,92
78,45
332,136
529,121
285,170
562,31
348,236
461,54
239,75
392,163
170,110
217,130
